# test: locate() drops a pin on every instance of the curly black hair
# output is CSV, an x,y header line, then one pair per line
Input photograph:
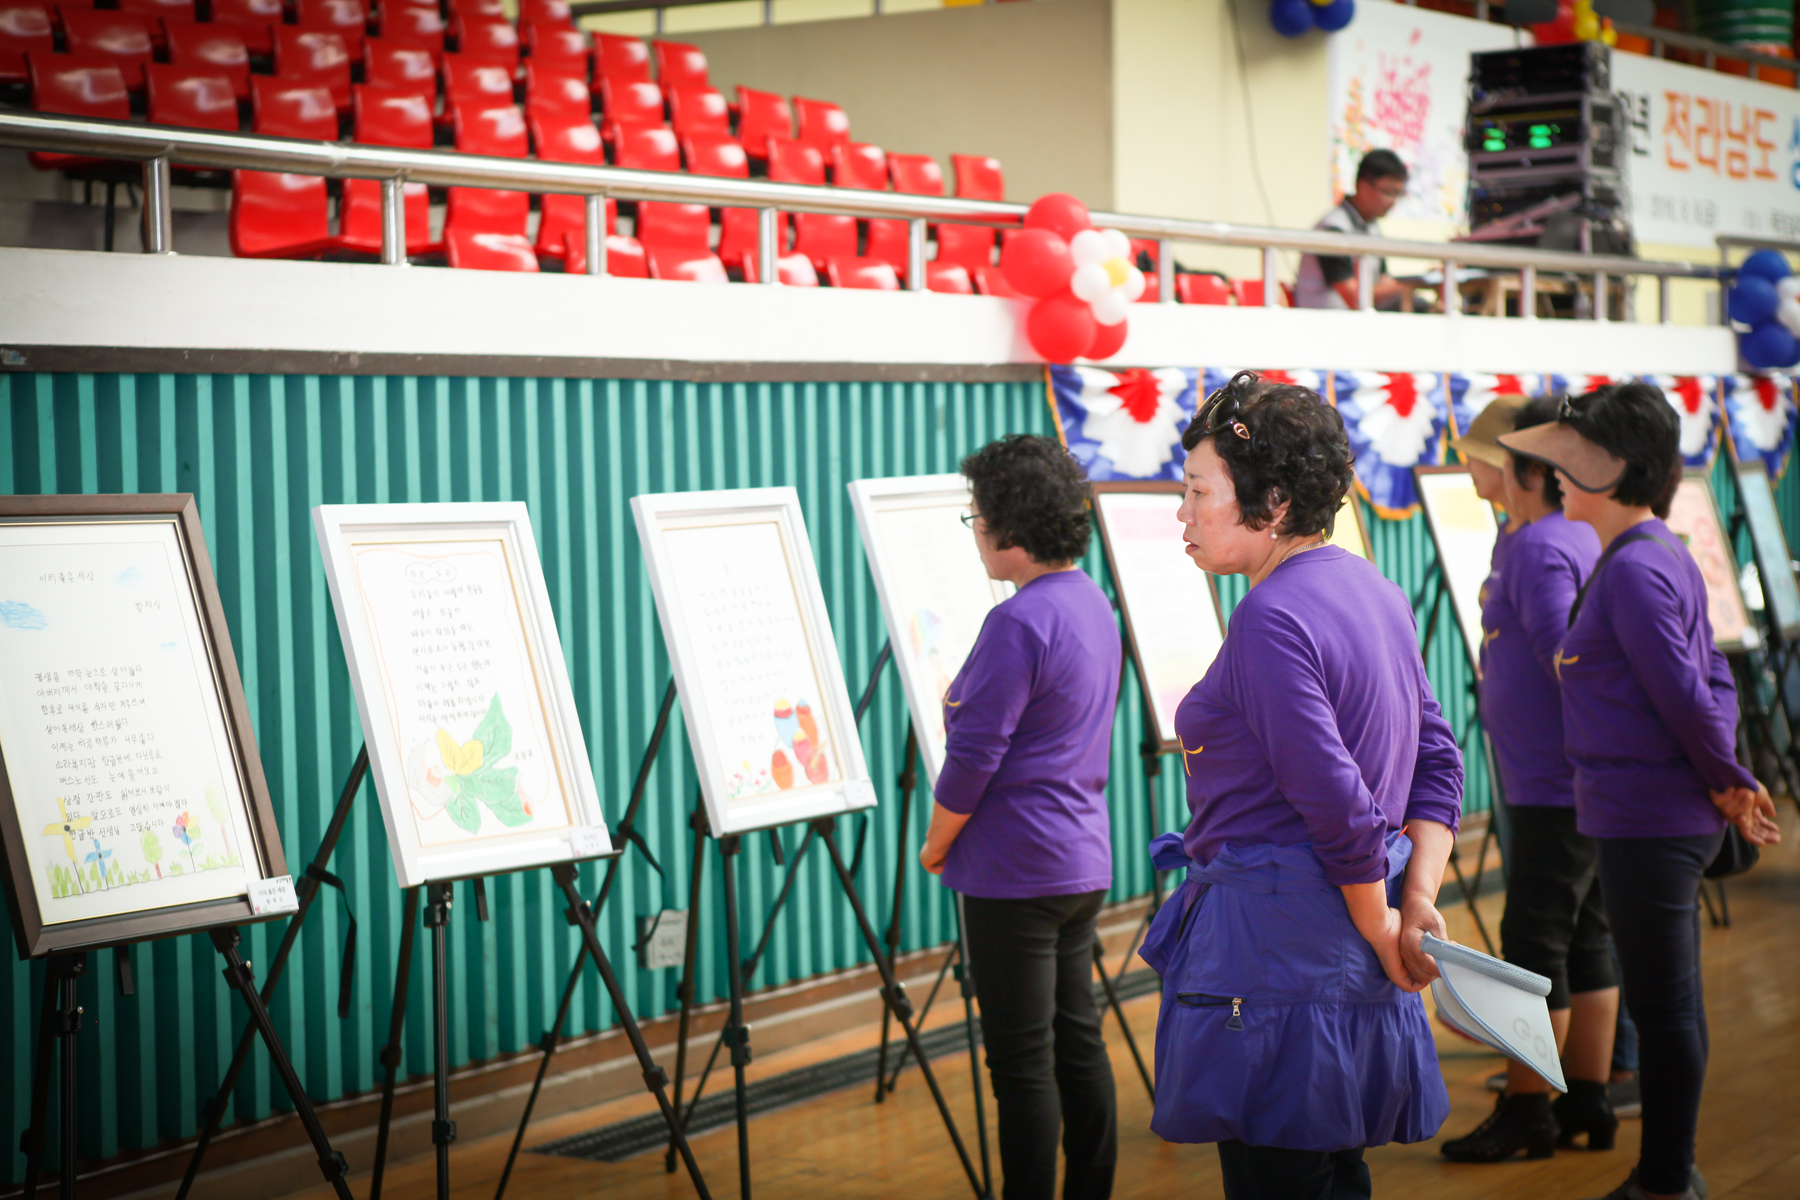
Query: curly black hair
x,y
1281,443
1031,494
1634,422
1539,411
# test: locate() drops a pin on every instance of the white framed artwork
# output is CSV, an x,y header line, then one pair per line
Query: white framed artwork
x,y
1171,607
1464,529
474,742
763,697
934,592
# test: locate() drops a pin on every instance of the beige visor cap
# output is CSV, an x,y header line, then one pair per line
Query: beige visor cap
x,y
1584,464
1482,441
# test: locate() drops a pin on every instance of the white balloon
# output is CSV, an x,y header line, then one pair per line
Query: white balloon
x,y
1788,313
1117,244
1088,247
1788,288
1133,287
1090,282
1111,308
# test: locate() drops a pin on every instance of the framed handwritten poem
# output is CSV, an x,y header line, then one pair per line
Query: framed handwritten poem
x,y
1171,607
1774,562
1694,516
934,592
1464,529
762,693
132,800
474,741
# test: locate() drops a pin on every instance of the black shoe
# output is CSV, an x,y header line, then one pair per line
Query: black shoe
x,y
1520,1122
1584,1108
1629,1190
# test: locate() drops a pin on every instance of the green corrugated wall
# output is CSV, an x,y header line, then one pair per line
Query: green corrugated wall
x,y
260,451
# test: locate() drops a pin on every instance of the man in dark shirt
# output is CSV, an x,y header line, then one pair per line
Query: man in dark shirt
x,y
1329,280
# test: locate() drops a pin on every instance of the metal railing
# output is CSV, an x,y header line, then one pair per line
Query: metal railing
x,y
159,147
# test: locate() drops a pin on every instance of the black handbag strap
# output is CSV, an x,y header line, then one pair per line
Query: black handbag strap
x,y
1631,535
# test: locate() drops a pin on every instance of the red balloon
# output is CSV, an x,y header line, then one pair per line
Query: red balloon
x,y
1037,262
1107,341
1061,328
1559,32
1061,214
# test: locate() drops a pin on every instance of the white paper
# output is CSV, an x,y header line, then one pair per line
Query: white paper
x,y
588,841
112,723
273,895
1463,525
1512,1021
1174,619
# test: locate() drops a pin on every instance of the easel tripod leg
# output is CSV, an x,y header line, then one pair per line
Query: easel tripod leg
x,y
443,1129
61,1028
908,777
737,1033
690,958
240,977
391,1053
654,1076
966,979
31,1142
1112,999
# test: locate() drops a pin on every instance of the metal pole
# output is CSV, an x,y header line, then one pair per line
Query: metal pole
x,y
1270,278
391,1054
915,255
766,249
1452,293
69,1027
1599,295
738,1034
1528,293
596,233
1165,272
443,1129
159,221
1365,283
1665,311
393,222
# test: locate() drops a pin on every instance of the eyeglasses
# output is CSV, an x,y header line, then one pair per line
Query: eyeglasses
x,y
1220,410
1568,412
968,519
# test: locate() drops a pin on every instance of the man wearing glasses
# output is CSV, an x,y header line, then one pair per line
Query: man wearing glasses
x,y
1329,280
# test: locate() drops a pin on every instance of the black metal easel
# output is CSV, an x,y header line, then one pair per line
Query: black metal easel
x,y
306,890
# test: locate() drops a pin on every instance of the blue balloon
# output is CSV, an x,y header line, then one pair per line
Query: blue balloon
x,y
1769,346
1291,18
1772,265
1753,300
1334,16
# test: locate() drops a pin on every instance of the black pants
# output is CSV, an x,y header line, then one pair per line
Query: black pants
x,y
1652,888
1554,923
1271,1173
1033,963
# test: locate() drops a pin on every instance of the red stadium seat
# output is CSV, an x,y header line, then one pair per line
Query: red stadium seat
x,y
761,116
822,123
156,10
549,88
404,65
791,270
486,37
949,278
675,239
191,97
859,165
292,108
76,87
387,117
916,174
869,273
990,282
819,236
314,56
635,104
1152,289
485,230
498,130
1202,289
720,156
122,39
978,177
1249,293
417,23
565,135
646,147
469,8
24,27
621,59
349,19
279,216
549,13
698,110
970,247
680,65
251,19
624,255
218,48
474,81
565,49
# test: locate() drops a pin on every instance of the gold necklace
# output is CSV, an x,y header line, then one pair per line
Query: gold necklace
x,y
1295,549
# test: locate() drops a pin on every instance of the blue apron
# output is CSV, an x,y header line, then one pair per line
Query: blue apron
x,y
1278,1025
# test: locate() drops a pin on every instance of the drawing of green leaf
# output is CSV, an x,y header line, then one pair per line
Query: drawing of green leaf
x,y
494,733
152,847
463,811
498,788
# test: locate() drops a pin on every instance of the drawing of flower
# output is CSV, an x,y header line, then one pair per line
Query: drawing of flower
x,y
187,832
457,777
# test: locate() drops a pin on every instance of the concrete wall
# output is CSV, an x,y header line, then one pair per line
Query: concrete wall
x,y
1029,83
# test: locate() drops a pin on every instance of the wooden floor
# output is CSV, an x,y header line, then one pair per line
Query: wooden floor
x,y
844,1145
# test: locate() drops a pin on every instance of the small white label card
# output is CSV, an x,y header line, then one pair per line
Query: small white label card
x,y
859,793
588,841
273,895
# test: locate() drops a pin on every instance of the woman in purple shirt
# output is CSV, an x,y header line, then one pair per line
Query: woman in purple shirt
x,y
1649,719
1325,788
1020,826
1554,923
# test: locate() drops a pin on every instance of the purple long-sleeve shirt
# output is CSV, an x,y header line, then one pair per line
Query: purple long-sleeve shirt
x,y
1028,724
1315,724
1524,617
1649,707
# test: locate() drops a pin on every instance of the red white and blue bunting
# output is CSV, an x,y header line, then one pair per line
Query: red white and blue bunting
x,y
1124,424
1760,412
1471,393
1695,399
1396,421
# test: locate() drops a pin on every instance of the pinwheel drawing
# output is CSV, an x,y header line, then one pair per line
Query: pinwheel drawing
x,y
102,867
65,829
187,832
